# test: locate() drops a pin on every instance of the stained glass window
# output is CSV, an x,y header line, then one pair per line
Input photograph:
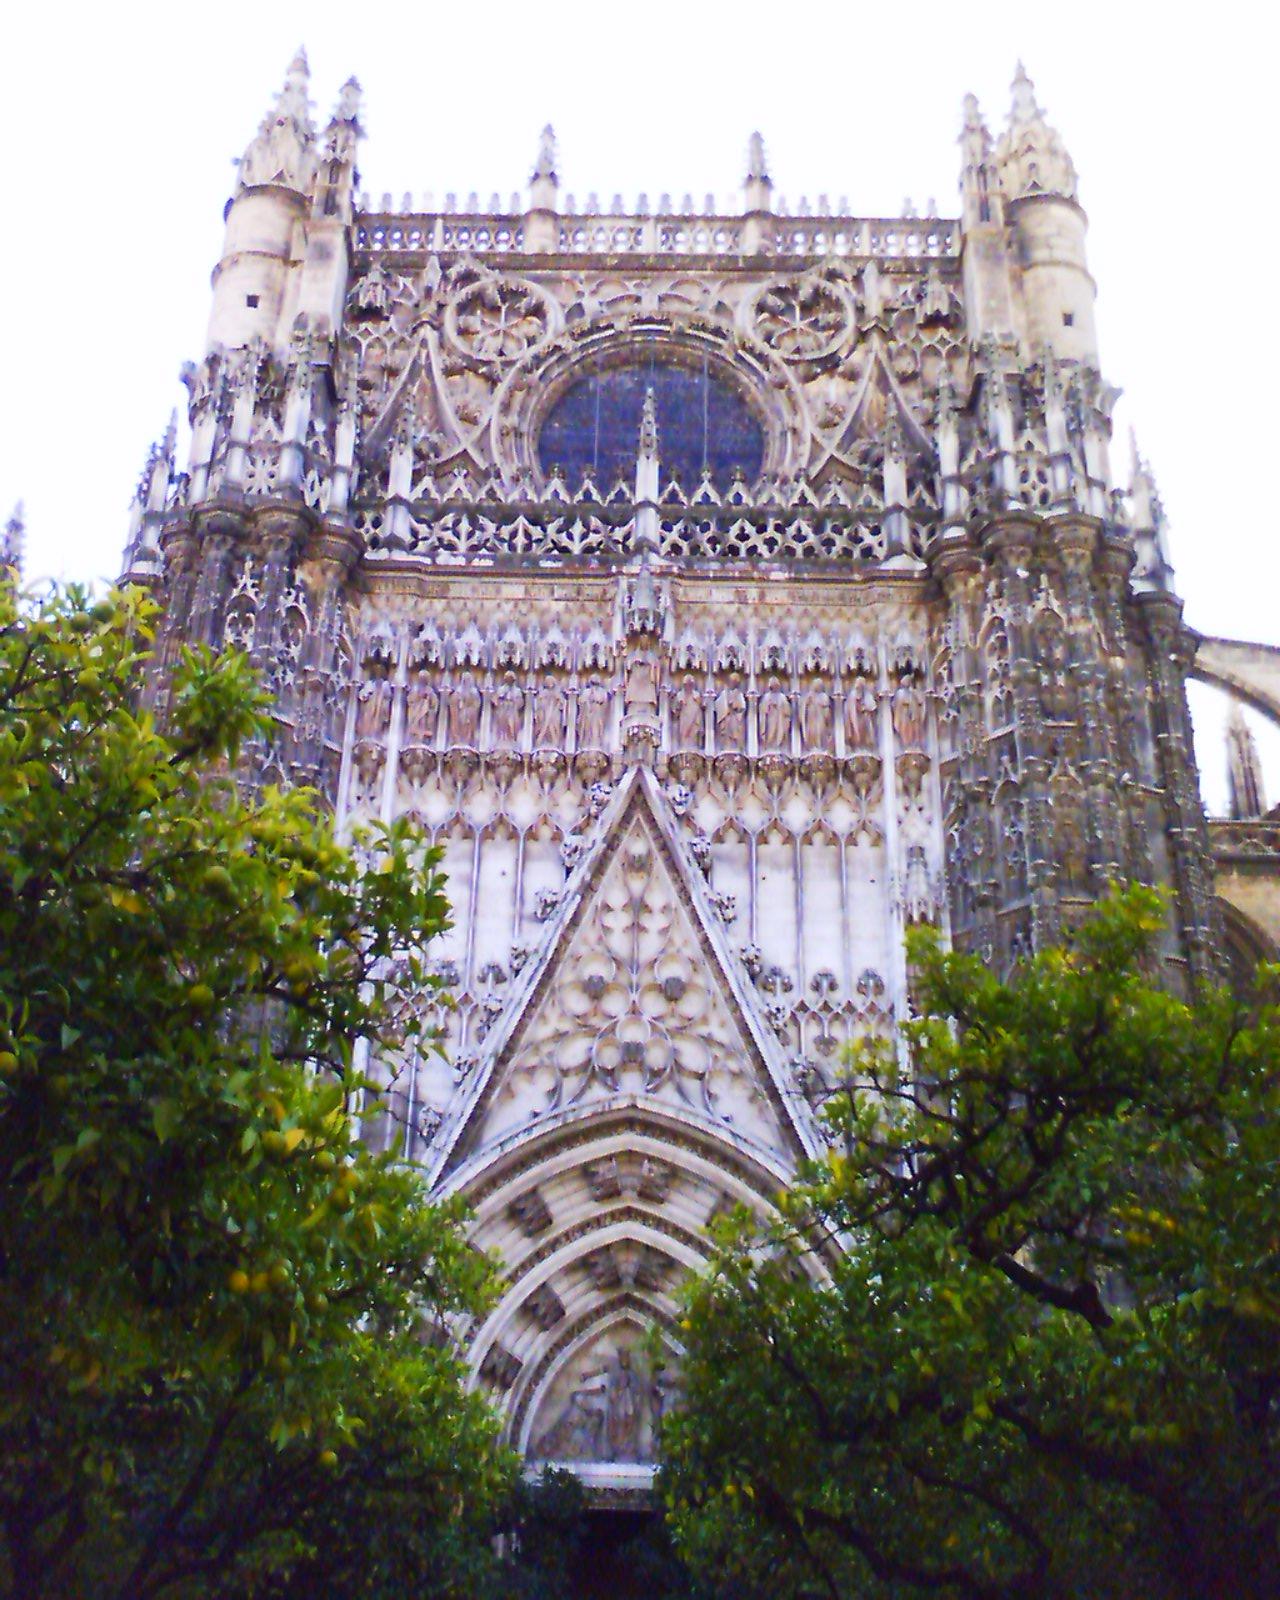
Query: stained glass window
x,y
702,422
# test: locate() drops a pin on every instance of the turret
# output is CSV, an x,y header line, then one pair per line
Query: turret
x,y
323,280
1049,227
988,285
264,220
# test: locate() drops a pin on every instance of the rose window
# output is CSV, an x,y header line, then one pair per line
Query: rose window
x,y
704,425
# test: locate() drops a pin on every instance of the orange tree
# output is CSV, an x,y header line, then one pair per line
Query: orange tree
x,y
221,1316
1044,1357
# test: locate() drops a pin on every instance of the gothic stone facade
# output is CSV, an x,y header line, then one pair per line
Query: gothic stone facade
x,y
725,591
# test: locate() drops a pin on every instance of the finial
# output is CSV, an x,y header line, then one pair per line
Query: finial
x,y
757,166
545,166
11,544
294,100
649,425
1025,108
348,106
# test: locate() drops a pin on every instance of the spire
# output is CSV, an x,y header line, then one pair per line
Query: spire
x,y
1031,157
344,125
11,545
281,152
1246,796
757,166
975,136
336,178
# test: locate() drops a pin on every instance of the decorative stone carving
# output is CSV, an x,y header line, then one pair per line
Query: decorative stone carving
x,y
531,1212
910,710
548,715
545,1306
508,713
731,717
593,709
815,718
500,1367
373,708
463,704
686,714
775,719
612,1410
422,709
498,319
805,318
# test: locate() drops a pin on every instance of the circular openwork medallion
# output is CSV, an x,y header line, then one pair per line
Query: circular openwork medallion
x,y
803,318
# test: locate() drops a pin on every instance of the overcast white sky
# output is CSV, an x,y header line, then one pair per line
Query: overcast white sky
x,y
124,120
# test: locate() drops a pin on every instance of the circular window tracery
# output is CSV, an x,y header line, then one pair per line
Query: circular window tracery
x,y
704,424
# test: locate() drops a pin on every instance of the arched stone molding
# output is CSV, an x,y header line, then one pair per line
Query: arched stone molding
x,y
626,1252
1251,672
593,1218
528,393
626,1126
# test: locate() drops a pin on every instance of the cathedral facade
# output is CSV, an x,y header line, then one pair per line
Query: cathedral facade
x,y
725,592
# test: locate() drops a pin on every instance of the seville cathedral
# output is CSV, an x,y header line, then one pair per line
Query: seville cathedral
x,y
725,590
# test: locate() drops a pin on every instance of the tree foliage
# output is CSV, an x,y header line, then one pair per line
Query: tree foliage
x,y
223,1321
1019,1333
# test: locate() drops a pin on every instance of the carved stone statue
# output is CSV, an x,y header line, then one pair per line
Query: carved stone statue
x,y
815,718
373,708
508,712
686,715
423,710
775,718
464,712
641,686
731,716
860,713
910,711
593,710
548,716
603,1417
